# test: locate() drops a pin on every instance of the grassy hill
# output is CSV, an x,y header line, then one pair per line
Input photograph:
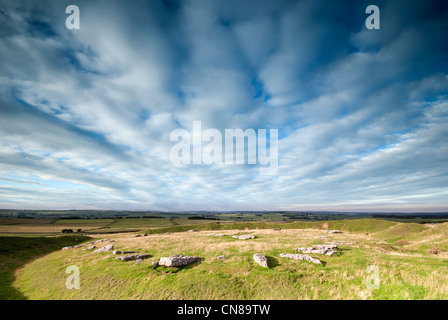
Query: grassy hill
x,y
406,271
15,252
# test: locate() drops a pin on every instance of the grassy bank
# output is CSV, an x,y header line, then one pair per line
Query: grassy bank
x,y
405,271
15,252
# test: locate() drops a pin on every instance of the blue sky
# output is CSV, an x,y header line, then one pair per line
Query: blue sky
x,y
86,115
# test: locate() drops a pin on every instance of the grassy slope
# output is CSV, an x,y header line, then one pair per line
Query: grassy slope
x,y
358,225
403,274
17,251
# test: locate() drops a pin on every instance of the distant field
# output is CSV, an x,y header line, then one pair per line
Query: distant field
x,y
399,251
50,227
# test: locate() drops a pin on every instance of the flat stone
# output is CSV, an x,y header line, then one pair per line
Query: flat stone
x,y
177,260
244,237
261,260
298,256
123,252
129,257
105,248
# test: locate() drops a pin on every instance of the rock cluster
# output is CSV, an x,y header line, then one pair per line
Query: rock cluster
x,y
299,256
128,257
244,237
177,260
261,260
72,247
123,252
105,248
328,249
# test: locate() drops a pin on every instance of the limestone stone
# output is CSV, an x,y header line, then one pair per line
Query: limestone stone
x,y
129,257
261,260
105,248
177,260
299,256
244,237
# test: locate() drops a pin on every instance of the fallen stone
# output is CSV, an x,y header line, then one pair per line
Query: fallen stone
x,y
298,256
91,247
328,249
325,247
333,231
100,240
136,235
123,252
222,257
192,230
72,247
129,257
261,260
277,229
215,235
139,261
105,248
304,249
177,260
244,237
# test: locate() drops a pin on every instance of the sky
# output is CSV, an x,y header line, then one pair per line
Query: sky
x,y
86,114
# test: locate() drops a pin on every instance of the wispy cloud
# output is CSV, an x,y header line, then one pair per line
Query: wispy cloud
x,y
86,115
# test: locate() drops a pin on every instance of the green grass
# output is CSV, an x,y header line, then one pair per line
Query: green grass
x,y
15,252
369,226
405,271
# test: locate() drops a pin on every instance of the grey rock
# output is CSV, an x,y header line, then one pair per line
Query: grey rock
x,y
298,256
221,257
72,247
129,257
177,260
328,249
138,261
244,237
105,248
261,260
123,252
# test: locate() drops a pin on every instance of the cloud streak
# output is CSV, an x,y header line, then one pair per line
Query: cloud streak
x,y
86,115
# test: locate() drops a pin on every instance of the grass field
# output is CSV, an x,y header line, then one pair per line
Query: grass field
x,y
36,227
399,251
